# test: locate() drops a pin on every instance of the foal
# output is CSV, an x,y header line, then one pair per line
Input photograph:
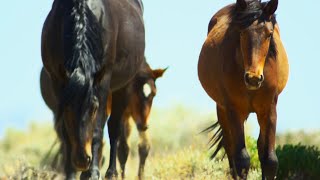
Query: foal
x,y
135,100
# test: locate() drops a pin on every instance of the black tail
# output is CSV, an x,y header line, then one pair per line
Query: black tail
x,y
83,49
216,141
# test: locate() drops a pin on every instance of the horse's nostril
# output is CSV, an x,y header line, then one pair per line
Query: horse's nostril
x,y
261,78
246,77
253,79
88,160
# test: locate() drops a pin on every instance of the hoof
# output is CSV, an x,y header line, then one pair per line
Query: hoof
x,y
90,175
111,174
141,177
71,176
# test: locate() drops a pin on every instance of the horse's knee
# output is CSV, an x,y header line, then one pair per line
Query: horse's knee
x,y
269,165
242,163
144,145
144,150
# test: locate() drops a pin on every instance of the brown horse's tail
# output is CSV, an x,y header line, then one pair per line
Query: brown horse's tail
x,y
216,141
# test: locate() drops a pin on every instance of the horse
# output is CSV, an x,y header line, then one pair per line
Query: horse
x,y
136,98
135,101
89,48
243,67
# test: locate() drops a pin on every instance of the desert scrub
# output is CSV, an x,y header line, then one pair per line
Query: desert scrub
x,y
178,149
298,162
192,163
23,171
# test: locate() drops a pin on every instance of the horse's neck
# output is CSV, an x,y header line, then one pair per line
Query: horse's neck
x,y
233,50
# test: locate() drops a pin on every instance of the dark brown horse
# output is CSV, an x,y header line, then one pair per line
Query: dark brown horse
x,y
243,67
89,49
135,100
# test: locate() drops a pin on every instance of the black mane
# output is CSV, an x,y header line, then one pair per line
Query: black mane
x,y
243,18
83,53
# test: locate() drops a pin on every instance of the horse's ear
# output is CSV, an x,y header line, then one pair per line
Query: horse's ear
x,y
242,4
158,73
271,8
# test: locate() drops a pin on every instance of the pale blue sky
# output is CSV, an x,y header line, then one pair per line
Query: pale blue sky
x,y
175,31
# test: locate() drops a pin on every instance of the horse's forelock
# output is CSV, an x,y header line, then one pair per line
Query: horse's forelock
x,y
245,17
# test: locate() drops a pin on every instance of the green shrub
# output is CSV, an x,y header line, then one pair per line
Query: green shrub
x,y
251,146
252,149
298,162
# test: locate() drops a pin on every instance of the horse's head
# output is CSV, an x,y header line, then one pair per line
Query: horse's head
x,y
78,113
143,91
256,22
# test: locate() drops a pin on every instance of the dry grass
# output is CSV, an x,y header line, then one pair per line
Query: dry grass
x,y
178,151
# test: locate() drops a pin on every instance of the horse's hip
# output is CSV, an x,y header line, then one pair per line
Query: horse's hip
x,y
124,70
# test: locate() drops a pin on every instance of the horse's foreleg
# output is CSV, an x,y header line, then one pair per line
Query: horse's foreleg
x,y
69,170
97,140
144,147
266,142
123,146
231,122
97,146
228,146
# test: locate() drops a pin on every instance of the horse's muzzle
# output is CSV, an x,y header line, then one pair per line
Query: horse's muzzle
x,y
253,82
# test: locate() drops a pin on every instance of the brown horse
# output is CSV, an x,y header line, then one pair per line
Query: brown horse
x,y
89,49
135,100
243,67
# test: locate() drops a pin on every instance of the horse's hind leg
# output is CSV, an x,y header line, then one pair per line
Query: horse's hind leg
x,y
266,142
231,123
123,146
119,104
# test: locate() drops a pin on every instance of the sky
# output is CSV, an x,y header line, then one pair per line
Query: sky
x,y
175,32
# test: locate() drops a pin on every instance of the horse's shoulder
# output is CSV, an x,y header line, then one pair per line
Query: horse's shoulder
x,y
212,23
